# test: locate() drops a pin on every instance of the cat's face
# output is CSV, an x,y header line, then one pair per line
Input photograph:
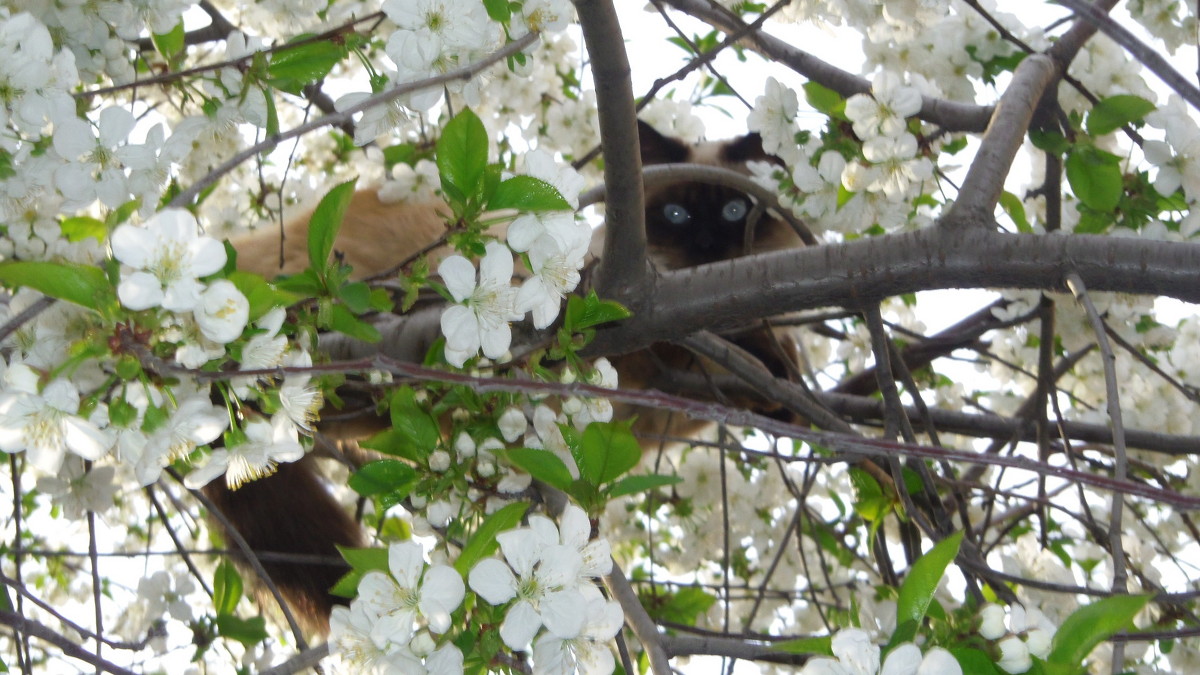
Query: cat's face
x,y
693,223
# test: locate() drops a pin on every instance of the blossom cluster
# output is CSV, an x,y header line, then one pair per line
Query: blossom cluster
x,y
394,624
855,654
1022,633
403,619
889,170
1177,158
547,580
555,244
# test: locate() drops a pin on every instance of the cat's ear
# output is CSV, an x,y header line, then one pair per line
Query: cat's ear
x,y
659,149
748,148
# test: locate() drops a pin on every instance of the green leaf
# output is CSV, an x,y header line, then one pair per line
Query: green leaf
x,y
607,450
483,542
305,284
387,480
394,443
869,500
822,646
498,10
1050,141
170,43
542,465
1115,112
528,194
381,476
83,285
633,484
922,580
1016,210
246,631
415,426
292,68
325,223
357,296
227,588
81,227
401,153
974,661
585,312
683,606
462,152
824,99
365,559
362,560
1095,177
272,112
1090,625
345,322
263,296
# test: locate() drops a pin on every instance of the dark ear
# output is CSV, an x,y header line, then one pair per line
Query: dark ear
x,y
748,148
659,149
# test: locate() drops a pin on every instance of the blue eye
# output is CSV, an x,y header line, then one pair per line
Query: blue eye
x,y
734,210
676,214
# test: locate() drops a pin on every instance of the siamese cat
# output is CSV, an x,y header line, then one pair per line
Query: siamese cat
x,y
687,224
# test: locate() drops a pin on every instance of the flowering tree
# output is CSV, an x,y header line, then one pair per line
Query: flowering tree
x,y
1008,491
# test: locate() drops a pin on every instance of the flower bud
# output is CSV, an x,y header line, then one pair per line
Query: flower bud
x,y
1014,655
992,627
512,424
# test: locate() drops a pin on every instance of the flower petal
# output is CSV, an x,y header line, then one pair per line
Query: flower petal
x,y
493,581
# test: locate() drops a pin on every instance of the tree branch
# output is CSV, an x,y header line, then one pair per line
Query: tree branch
x,y
639,621
624,273
69,647
984,183
729,294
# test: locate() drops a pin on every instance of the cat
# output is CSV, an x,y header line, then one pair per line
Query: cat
x,y
687,224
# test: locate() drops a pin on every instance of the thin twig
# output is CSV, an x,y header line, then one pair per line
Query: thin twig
x,y
251,559
1121,463
97,607
69,647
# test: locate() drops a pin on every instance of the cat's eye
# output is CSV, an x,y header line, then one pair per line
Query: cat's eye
x,y
676,214
734,210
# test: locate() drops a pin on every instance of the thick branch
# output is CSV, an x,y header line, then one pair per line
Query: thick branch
x,y
625,273
985,180
725,295
639,621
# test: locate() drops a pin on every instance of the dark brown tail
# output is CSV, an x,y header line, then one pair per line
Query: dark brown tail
x,y
292,513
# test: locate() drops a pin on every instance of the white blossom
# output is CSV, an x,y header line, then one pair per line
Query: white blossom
x,y
412,590
46,424
541,576
884,112
481,320
78,490
773,116
168,257
265,445
222,311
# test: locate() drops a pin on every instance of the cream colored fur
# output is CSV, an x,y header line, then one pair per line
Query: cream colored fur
x,y
375,236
